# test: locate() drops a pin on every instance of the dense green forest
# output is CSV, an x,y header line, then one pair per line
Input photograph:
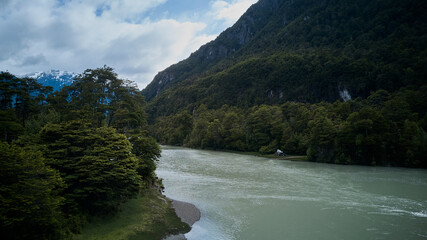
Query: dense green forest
x,y
383,129
303,51
339,81
70,155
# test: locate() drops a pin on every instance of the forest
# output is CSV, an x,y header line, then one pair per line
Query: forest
x,y
302,51
70,155
339,81
385,129
272,81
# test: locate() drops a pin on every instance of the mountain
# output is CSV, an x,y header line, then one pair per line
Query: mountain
x,y
300,50
225,45
54,78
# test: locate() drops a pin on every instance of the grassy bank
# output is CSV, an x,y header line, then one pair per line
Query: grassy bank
x,y
270,155
287,157
150,216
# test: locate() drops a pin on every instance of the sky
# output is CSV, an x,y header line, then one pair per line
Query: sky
x,y
137,38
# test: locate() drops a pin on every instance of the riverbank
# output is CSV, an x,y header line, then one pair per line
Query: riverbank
x,y
186,211
188,214
299,158
149,216
269,155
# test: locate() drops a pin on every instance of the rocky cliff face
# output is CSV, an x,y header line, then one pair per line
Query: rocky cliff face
x,y
225,45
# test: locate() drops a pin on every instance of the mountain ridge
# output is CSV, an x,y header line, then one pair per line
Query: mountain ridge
x,y
54,78
300,50
227,43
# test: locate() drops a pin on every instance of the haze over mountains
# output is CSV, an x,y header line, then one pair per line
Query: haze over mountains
x,y
300,50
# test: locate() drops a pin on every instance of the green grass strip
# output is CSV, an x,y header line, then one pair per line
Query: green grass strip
x,y
149,216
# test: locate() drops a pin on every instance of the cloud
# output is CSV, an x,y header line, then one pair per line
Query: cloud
x,y
128,9
74,35
34,60
230,12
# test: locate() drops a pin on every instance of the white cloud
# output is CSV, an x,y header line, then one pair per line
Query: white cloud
x,y
128,10
74,35
230,12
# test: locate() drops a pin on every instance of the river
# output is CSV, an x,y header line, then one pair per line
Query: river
x,y
246,197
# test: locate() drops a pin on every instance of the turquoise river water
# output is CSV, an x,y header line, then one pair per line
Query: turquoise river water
x,y
245,197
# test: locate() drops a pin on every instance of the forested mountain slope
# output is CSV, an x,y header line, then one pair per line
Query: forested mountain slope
x,y
340,81
300,50
226,44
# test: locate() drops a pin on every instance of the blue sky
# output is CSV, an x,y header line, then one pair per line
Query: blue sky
x,y
179,9
138,38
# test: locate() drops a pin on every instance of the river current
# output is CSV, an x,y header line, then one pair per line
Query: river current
x,y
246,197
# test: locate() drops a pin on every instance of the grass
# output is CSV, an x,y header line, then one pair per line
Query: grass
x,y
150,217
287,157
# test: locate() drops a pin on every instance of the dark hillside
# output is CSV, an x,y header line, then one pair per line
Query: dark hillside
x,y
300,50
230,41
338,81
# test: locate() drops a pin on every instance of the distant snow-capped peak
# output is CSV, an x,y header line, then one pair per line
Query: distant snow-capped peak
x,y
54,78
57,74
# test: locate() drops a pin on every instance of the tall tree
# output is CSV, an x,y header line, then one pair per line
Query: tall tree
x,y
110,101
29,195
322,135
363,138
20,99
96,164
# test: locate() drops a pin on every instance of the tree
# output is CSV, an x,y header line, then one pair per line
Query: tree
x,y
322,136
363,138
97,165
213,138
233,130
9,127
29,195
174,129
147,151
266,127
20,99
412,146
106,100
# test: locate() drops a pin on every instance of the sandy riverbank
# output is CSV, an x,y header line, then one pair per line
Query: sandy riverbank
x,y
188,214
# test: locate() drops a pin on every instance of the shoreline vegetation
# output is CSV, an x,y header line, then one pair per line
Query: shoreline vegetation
x,y
342,82
79,163
149,216
79,158
384,129
289,157
295,158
